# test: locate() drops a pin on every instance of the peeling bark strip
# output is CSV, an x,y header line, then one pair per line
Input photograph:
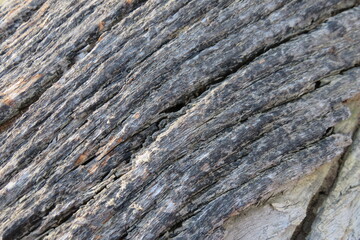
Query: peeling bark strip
x,y
162,119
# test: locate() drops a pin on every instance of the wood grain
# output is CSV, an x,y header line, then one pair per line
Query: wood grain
x,y
162,119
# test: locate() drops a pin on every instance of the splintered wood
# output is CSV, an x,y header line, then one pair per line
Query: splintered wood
x,y
163,119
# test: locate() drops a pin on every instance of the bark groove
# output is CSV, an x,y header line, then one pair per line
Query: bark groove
x,y
161,119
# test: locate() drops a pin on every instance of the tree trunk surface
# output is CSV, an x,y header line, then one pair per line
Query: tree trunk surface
x,y
191,119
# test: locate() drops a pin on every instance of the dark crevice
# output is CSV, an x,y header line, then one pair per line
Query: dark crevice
x,y
122,236
317,84
304,228
174,108
87,161
317,201
349,68
329,131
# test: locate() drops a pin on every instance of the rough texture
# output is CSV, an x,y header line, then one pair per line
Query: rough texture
x,y
162,119
279,217
338,215
315,207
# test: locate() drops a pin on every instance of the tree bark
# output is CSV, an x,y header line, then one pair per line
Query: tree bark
x,y
186,119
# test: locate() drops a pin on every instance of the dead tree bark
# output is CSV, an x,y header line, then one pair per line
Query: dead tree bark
x,y
185,119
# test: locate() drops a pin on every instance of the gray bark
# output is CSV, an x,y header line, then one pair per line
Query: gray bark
x,y
162,119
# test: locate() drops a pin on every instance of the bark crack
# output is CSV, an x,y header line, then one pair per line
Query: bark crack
x,y
319,198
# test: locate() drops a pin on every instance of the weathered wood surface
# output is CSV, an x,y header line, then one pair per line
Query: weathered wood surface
x,y
323,205
337,217
162,119
279,217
